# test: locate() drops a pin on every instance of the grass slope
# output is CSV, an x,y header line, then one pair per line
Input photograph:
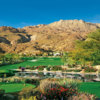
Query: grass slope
x,y
40,61
13,87
91,87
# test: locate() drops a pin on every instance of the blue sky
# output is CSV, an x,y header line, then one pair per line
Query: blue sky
x,y
20,13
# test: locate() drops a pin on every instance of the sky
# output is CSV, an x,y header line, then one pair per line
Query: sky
x,y
20,13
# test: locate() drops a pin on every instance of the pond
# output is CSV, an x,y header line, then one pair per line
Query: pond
x,y
59,74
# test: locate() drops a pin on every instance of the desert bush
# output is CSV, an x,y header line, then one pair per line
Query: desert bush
x,y
57,89
82,96
47,84
26,93
69,83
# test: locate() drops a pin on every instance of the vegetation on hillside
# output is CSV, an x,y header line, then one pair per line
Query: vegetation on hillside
x,y
9,58
86,52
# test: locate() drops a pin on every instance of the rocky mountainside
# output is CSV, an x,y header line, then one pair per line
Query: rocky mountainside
x,y
57,36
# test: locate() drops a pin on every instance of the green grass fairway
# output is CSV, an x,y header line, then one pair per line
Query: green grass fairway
x,y
13,87
91,87
40,61
4,71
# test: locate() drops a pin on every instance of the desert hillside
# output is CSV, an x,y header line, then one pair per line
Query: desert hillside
x,y
57,36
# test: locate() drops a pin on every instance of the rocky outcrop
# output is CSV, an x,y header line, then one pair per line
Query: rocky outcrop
x,y
74,25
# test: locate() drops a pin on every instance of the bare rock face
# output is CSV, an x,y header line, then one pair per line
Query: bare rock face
x,y
57,36
74,25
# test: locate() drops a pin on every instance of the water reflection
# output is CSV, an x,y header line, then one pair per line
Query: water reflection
x,y
45,74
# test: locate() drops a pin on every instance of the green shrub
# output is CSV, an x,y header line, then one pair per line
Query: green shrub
x,y
90,69
40,67
56,68
28,58
32,81
37,67
33,67
78,70
2,92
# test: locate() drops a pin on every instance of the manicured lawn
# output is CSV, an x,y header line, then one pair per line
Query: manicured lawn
x,y
13,87
40,61
91,87
4,71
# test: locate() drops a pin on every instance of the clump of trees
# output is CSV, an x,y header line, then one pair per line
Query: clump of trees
x,y
9,58
86,52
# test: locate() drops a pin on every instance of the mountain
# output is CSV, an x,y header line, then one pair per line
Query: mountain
x,y
57,36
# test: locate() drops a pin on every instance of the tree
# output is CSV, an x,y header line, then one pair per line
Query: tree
x,y
88,50
67,59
